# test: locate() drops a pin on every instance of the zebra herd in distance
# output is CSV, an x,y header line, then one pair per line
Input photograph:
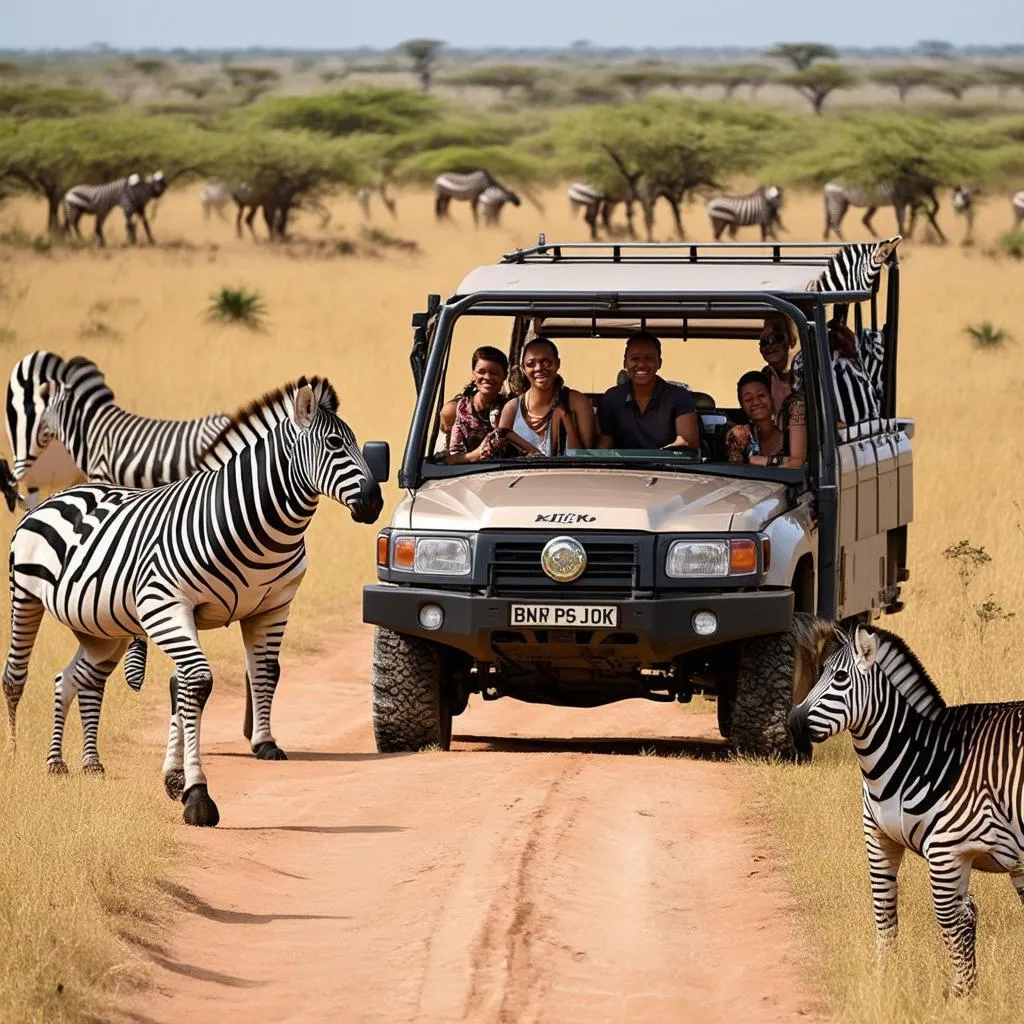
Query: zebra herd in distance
x,y
122,557
487,197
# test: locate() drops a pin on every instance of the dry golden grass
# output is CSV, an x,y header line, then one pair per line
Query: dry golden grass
x,y
348,318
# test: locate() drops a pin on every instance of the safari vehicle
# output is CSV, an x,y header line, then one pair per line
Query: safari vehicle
x,y
597,575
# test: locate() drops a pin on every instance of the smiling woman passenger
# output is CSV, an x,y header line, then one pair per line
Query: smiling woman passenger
x,y
761,442
469,420
550,417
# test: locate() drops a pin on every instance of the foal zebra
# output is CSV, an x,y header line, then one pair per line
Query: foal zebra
x,y
493,200
131,194
962,201
219,547
464,187
839,198
733,212
214,196
944,782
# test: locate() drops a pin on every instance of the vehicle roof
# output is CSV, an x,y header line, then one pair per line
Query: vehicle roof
x,y
647,275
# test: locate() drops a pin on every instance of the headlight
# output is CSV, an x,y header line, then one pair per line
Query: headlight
x,y
697,558
435,556
710,558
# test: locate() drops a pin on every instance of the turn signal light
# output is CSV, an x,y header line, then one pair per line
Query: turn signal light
x,y
382,549
742,556
405,553
766,553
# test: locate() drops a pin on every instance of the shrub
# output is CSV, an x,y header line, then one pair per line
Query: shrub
x,y
1011,243
987,335
238,306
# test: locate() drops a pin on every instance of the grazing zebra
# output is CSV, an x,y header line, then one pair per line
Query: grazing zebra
x,y
734,212
225,546
1017,202
464,187
962,201
215,196
839,198
131,194
945,782
492,200
365,194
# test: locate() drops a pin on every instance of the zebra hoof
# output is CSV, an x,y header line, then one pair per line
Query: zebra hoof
x,y
200,810
174,783
269,751
93,767
56,767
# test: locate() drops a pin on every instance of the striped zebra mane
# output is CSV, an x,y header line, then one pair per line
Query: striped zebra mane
x,y
82,375
904,671
275,406
855,267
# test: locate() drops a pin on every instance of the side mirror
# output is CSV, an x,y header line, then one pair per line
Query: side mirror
x,y
378,457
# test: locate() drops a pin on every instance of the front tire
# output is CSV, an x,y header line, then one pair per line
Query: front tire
x,y
410,709
770,682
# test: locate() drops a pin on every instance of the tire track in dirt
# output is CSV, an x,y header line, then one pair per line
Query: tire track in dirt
x,y
517,878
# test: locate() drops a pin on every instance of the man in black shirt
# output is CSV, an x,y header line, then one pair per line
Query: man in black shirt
x,y
646,411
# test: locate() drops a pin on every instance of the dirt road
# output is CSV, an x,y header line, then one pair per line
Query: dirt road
x,y
541,871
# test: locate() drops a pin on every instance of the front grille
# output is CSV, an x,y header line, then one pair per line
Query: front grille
x,y
611,569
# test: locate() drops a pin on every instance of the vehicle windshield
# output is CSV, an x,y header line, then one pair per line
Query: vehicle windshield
x,y
529,392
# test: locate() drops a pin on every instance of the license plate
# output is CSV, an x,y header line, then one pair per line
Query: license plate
x,y
591,616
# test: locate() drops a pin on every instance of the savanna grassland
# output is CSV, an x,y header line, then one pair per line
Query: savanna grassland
x,y
83,861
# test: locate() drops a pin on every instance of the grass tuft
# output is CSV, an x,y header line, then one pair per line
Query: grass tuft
x,y
1011,243
238,306
987,336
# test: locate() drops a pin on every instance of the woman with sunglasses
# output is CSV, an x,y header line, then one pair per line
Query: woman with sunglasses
x,y
778,339
549,416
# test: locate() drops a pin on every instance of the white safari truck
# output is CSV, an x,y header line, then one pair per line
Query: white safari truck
x,y
598,575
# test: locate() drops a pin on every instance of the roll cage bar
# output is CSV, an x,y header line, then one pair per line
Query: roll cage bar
x,y
433,332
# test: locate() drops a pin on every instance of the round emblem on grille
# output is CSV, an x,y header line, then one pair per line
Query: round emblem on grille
x,y
563,559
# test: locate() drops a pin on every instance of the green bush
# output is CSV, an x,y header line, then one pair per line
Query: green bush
x,y
1011,243
238,306
987,336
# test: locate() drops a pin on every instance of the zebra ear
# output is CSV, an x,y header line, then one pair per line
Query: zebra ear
x,y
134,179
305,407
887,248
866,646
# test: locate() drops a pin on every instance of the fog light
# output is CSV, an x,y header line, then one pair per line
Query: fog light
x,y
431,616
704,623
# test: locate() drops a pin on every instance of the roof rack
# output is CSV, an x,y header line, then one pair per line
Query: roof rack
x,y
810,253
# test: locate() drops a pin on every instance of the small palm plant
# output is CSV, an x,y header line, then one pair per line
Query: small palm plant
x,y
238,306
987,335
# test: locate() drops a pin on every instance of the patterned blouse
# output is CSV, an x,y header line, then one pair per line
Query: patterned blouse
x,y
742,442
471,428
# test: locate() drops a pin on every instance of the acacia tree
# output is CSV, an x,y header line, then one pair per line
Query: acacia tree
x,y
424,54
819,81
904,78
49,157
953,83
802,55
503,77
731,76
284,169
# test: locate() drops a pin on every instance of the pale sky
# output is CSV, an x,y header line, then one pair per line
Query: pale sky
x,y
224,24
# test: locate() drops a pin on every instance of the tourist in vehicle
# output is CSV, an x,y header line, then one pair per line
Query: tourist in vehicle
x,y
646,411
548,417
469,420
857,368
778,339
760,441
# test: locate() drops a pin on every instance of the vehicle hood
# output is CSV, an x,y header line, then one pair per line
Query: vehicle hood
x,y
593,500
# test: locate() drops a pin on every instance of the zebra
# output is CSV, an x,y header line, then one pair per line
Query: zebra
x,y
492,201
111,445
946,782
962,201
733,212
839,198
131,194
593,202
365,194
215,196
218,547
1017,203
466,187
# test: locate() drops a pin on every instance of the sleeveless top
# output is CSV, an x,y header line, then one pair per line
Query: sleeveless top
x,y
541,441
